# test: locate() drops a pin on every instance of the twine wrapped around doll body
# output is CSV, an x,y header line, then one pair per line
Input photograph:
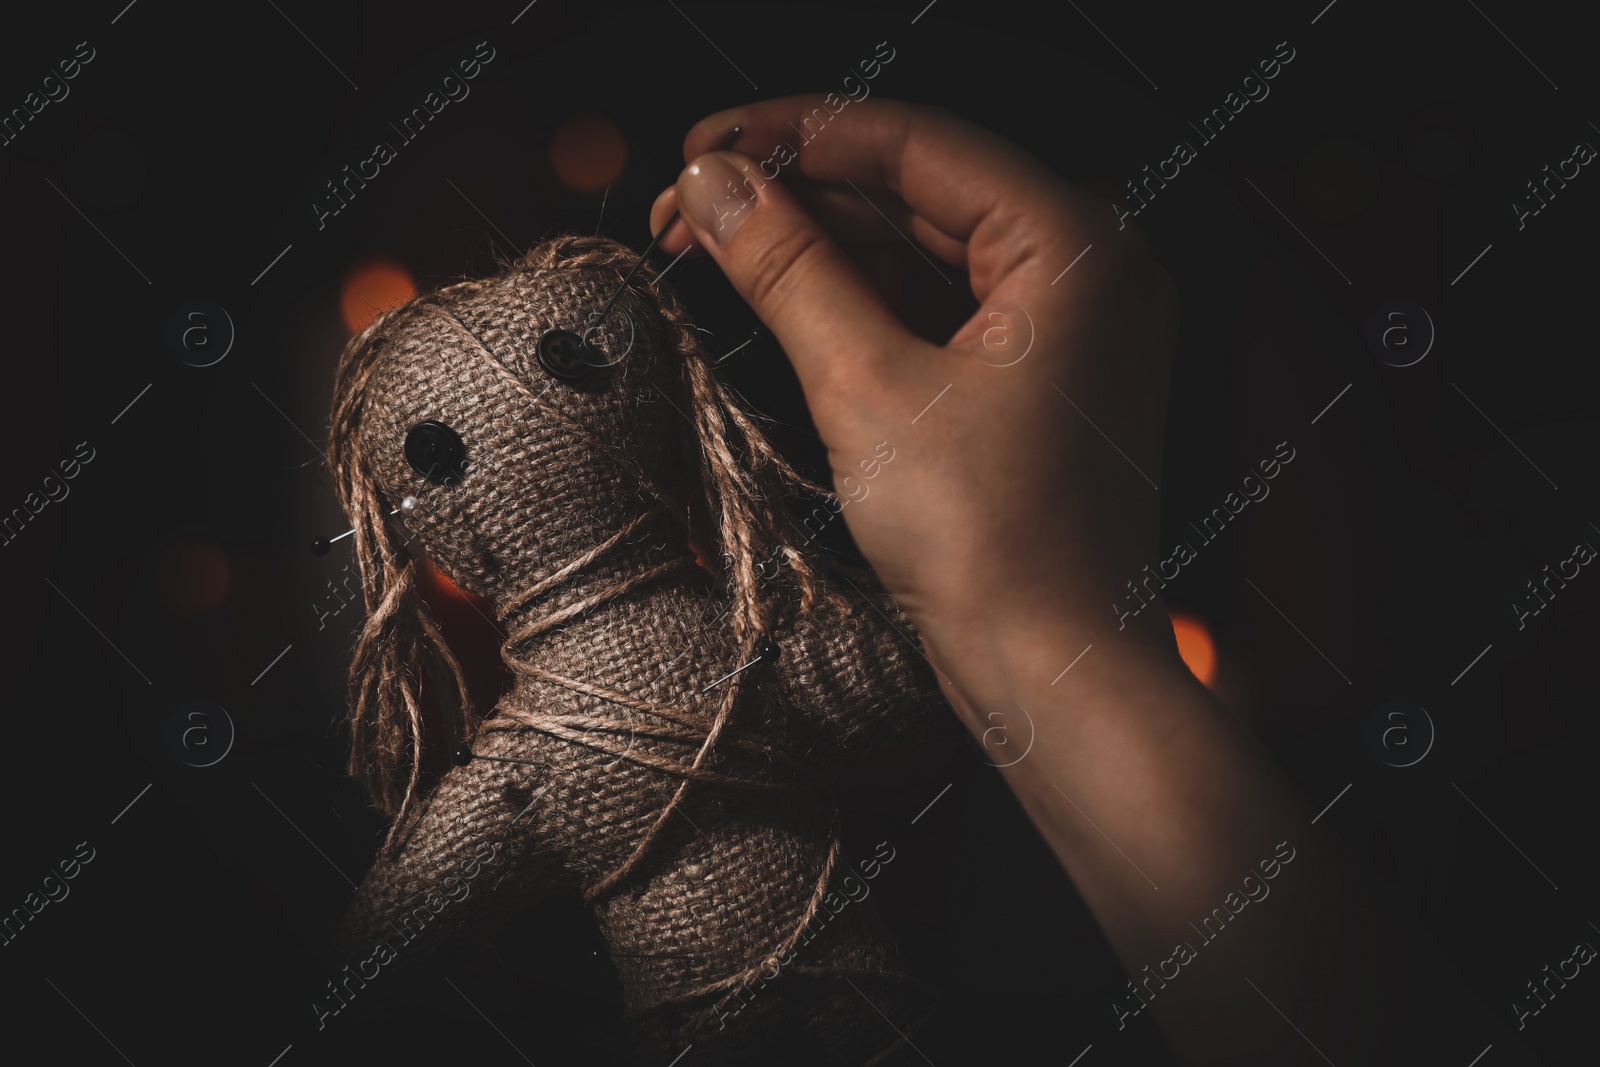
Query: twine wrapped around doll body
x,y
684,797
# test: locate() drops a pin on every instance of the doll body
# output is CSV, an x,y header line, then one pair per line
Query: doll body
x,y
687,803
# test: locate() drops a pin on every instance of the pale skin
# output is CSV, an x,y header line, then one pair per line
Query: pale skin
x,y
1007,525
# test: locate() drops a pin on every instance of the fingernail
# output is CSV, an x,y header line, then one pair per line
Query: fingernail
x,y
718,192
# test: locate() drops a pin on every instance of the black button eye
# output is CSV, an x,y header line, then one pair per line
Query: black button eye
x,y
436,451
563,354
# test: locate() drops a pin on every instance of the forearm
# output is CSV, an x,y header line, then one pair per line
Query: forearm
x,y
1160,805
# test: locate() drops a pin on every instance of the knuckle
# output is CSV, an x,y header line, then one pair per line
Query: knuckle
x,y
781,265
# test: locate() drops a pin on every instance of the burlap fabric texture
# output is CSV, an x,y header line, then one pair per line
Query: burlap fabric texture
x,y
694,817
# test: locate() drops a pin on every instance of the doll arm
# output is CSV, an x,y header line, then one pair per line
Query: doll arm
x,y
856,661
478,852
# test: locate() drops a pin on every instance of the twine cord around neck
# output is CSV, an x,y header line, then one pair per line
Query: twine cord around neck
x,y
603,734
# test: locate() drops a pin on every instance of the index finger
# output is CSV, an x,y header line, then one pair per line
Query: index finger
x,y
972,185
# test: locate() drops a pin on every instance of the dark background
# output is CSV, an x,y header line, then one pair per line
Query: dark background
x,y
1385,159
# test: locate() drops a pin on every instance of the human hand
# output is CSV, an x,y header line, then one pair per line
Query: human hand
x,y
1022,497
1027,445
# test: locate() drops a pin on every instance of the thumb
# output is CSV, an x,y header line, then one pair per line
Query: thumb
x,y
827,317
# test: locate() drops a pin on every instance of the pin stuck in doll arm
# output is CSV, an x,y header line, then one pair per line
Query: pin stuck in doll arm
x,y
474,855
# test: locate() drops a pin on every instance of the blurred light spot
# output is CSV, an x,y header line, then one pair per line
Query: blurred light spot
x,y
433,580
588,152
193,577
1199,652
371,288
1338,179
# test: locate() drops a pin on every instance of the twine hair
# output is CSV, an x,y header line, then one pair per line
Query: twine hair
x,y
400,648
744,482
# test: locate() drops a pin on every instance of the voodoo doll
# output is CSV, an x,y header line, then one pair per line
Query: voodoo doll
x,y
667,745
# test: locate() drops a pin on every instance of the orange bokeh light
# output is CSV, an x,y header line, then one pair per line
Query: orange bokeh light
x,y
193,577
588,152
1195,645
437,581
373,287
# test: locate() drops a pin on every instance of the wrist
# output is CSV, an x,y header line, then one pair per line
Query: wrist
x,y
1009,658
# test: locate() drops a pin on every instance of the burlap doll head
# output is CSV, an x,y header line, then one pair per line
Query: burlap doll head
x,y
666,749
